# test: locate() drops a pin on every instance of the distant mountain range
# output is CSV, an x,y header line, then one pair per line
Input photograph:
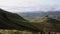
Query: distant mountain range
x,y
38,14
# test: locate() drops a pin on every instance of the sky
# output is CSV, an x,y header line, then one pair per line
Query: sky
x,y
30,5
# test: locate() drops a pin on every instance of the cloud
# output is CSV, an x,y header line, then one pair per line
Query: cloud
x,y
29,5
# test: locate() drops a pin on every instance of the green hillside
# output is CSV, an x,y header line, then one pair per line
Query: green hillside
x,y
47,24
46,20
13,21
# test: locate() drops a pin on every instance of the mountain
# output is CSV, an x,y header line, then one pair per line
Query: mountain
x,y
46,19
47,24
31,15
40,23
13,21
38,14
54,14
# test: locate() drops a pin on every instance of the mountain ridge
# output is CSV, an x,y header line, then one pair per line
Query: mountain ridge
x,y
37,14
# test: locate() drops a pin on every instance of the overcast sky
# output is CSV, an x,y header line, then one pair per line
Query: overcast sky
x,y
29,5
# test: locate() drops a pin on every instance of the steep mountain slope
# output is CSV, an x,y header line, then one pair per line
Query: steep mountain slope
x,y
13,21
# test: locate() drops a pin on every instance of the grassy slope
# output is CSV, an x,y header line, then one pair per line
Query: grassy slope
x,y
46,20
47,24
13,21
